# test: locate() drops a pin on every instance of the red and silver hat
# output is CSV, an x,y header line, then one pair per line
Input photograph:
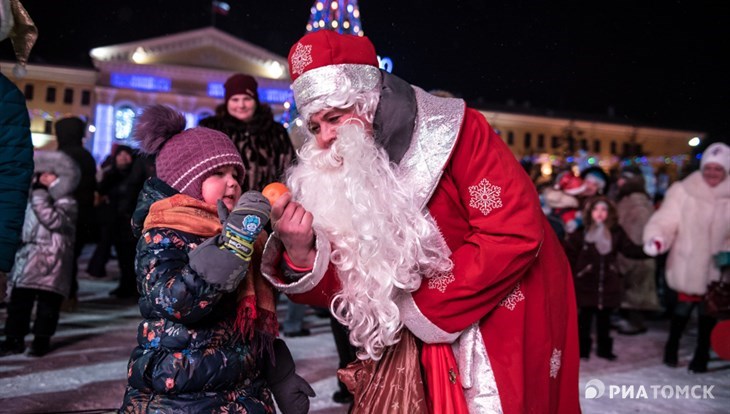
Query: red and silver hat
x,y
320,61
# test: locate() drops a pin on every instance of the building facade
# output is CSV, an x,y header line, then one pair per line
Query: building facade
x,y
552,141
52,93
187,71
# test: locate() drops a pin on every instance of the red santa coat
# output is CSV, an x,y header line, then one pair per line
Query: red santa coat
x,y
508,306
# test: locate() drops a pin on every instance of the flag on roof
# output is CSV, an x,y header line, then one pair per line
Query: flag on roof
x,y
221,7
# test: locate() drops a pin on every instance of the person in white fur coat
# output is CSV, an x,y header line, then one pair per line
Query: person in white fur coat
x,y
693,224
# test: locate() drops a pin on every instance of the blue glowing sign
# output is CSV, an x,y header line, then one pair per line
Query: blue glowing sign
x,y
266,95
275,95
141,82
216,90
386,64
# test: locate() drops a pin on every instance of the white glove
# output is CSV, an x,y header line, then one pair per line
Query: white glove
x,y
654,246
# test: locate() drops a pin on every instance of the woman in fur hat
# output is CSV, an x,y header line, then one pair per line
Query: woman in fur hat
x,y
262,142
207,342
693,224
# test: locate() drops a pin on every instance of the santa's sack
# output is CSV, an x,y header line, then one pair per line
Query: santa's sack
x,y
391,385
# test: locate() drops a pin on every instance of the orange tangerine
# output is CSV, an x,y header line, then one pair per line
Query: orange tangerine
x,y
273,191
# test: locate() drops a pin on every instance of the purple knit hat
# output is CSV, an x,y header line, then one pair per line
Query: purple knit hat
x,y
185,158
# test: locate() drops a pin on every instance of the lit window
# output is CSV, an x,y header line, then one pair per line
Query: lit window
x,y
123,122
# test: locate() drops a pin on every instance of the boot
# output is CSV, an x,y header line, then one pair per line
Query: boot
x,y
585,347
605,349
12,345
671,349
701,356
41,345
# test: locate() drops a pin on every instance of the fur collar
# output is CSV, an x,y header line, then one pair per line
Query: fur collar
x,y
696,187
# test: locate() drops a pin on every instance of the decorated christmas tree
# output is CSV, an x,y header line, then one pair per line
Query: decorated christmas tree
x,y
338,15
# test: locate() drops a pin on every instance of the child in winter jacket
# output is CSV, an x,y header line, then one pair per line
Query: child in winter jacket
x,y
592,252
207,343
42,269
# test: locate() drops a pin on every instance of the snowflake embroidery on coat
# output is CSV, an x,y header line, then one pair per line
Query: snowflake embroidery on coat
x,y
555,363
440,280
511,300
485,196
301,58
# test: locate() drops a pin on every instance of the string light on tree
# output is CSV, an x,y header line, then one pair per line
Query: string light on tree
x,y
338,15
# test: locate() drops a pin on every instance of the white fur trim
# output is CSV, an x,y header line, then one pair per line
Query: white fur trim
x,y
326,80
272,255
418,324
477,375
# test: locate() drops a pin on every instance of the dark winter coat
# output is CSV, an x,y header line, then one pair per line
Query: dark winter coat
x,y
46,255
16,168
634,211
189,358
596,277
69,134
121,188
263,143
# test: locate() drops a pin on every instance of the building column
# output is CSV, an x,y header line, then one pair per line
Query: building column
x,y
101,143
187,107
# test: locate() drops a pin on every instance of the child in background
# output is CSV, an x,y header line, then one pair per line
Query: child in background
x,y
42,270
561,202
207,343
592,252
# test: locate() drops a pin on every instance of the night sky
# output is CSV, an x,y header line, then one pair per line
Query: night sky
x,y
658,63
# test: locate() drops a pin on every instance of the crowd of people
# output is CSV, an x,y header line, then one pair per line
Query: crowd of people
x,y
445,274
637,254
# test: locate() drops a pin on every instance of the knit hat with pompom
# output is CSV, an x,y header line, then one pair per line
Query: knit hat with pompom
x,y
184,158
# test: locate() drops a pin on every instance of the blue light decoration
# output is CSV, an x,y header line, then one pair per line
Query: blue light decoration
x,y
123,122
266,95
343,17
141,82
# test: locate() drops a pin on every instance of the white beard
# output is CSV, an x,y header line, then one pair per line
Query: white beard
x,y
382,243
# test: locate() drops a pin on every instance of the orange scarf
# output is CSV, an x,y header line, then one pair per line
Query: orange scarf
x,y
256,313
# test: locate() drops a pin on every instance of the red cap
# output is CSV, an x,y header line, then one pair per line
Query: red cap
x,y
570,184
325,48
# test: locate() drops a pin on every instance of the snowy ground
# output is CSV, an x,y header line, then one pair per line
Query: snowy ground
x,y
85,372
